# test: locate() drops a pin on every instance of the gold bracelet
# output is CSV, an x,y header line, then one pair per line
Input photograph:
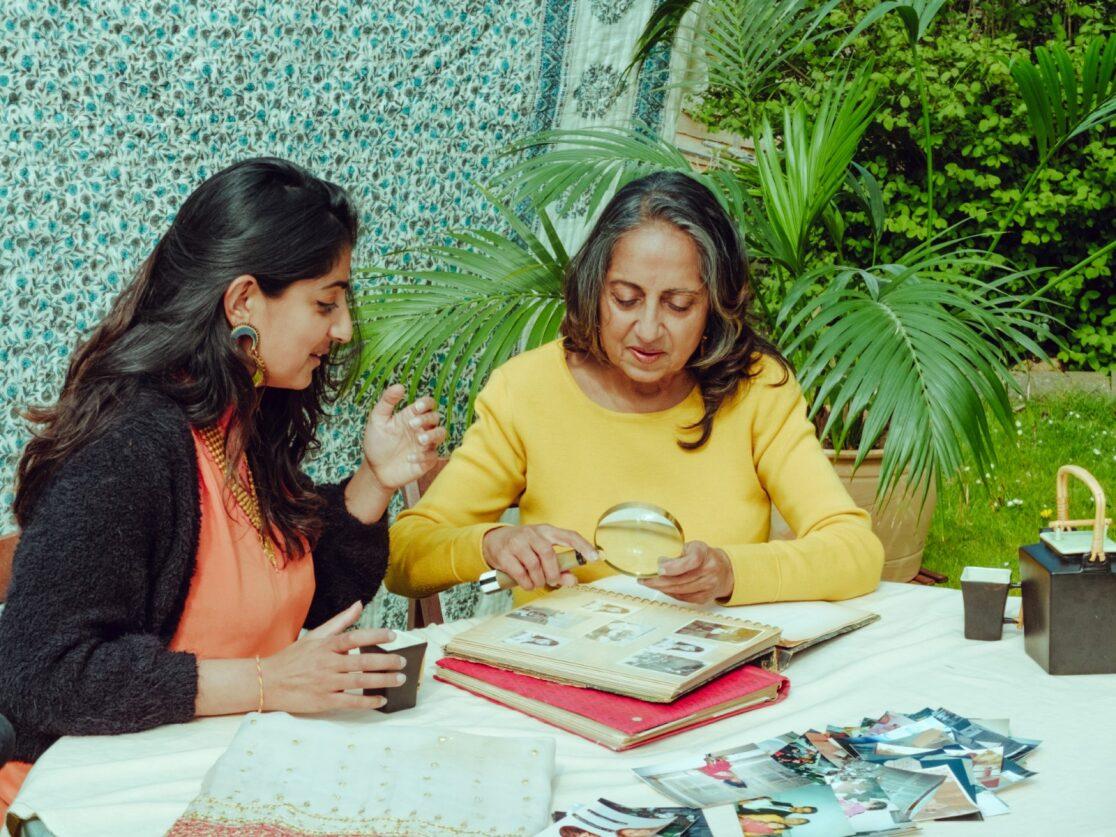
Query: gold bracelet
x,y
259,676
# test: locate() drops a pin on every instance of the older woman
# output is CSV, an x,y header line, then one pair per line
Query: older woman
x,y
659,391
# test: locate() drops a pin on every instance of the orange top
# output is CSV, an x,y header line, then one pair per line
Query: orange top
x,y
238,605
12,775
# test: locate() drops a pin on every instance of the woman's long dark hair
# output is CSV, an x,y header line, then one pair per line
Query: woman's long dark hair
x,y
263,217
730,345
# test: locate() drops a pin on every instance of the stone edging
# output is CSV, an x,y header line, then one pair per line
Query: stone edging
x,y
1044,382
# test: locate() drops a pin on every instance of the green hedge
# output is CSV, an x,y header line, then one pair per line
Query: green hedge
x,y
982,151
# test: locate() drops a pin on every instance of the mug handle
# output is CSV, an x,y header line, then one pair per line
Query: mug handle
x,y
1016,620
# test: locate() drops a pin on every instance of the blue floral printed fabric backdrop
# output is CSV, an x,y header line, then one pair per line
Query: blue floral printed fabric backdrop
x,y
115,111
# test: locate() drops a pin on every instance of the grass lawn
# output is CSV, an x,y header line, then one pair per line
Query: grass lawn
x,y
983,519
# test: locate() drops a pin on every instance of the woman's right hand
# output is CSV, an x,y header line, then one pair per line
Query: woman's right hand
x,y
526,553
312,673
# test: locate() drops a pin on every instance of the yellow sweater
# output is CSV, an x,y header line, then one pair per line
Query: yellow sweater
x,y
540,442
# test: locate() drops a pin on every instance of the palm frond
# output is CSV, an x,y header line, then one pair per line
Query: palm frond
x,y
916,16
863,185
915,353
559,168
486,296
591,164
747,44
1063,99
800,178
660,28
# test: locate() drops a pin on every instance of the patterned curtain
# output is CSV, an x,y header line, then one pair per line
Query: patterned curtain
x,y
114,111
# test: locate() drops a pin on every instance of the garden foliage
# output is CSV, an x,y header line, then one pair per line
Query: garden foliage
x,y
983,151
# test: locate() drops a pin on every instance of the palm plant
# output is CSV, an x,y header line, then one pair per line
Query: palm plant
x,y
913,354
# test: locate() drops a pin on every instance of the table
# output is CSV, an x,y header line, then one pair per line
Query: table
x,y
914,656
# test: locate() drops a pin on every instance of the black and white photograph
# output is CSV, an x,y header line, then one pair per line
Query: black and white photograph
x,y
603,606
665,663
534,640
618,632
678,645
539,615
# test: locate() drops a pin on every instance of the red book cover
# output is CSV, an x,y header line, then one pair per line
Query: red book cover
x,y
629,715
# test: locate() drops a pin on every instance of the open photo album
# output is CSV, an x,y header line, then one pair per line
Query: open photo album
x,y
802,625
586,636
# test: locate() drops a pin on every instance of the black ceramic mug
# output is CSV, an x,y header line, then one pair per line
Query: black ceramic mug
x,y
412,652
984,590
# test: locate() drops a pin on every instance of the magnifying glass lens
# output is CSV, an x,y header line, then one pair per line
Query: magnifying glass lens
x,y
633,538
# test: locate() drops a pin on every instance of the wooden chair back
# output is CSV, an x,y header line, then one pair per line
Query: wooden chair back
x,y
7,553
428,609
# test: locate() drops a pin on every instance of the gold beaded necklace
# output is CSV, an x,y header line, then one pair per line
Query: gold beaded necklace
x,y
247,500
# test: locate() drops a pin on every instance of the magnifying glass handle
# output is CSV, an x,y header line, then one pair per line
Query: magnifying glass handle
x,y
494,581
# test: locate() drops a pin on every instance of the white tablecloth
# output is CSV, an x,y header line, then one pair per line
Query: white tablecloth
x,y
914,656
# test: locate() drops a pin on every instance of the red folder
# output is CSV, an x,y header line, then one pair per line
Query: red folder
x,y
617,721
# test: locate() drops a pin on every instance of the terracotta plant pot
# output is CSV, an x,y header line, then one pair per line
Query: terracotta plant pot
x,y
902,524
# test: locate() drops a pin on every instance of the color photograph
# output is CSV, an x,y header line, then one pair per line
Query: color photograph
x,y
717,631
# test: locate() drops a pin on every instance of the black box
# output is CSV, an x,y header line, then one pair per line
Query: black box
x,y
1069,611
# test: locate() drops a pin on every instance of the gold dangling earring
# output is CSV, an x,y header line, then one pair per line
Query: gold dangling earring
x,y
259,377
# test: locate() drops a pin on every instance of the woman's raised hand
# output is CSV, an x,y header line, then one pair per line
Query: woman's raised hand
x,y
313,673
526,553
400,445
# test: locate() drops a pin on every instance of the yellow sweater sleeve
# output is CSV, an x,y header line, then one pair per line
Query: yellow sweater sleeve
x,y
437,544
836,555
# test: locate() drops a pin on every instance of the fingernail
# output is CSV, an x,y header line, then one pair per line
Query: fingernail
x,y
400,679
390,636
357,603
416,422
424,438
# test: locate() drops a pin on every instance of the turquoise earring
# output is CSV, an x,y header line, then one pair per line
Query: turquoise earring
x,y
252,333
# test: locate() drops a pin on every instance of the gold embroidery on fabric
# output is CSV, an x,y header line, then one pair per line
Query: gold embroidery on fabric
x,y
208,809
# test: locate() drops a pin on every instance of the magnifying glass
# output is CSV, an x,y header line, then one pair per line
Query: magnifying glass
x,y
631,538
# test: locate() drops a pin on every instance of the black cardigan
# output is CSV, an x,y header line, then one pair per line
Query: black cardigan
x,y
101,575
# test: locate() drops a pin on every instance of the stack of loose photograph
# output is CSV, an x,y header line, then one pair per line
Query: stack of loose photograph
x,y
883,775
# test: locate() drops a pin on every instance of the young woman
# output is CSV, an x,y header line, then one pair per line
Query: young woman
x,y
171,547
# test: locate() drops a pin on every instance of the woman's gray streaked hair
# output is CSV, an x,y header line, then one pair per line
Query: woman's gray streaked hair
x,y
730,345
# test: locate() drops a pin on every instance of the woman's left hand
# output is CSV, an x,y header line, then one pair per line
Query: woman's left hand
x,y
401,445
699,575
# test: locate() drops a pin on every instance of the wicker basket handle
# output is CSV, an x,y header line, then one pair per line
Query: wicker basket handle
x,y
1099,521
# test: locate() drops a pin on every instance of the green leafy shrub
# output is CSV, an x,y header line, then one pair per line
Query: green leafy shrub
x,y
982,149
